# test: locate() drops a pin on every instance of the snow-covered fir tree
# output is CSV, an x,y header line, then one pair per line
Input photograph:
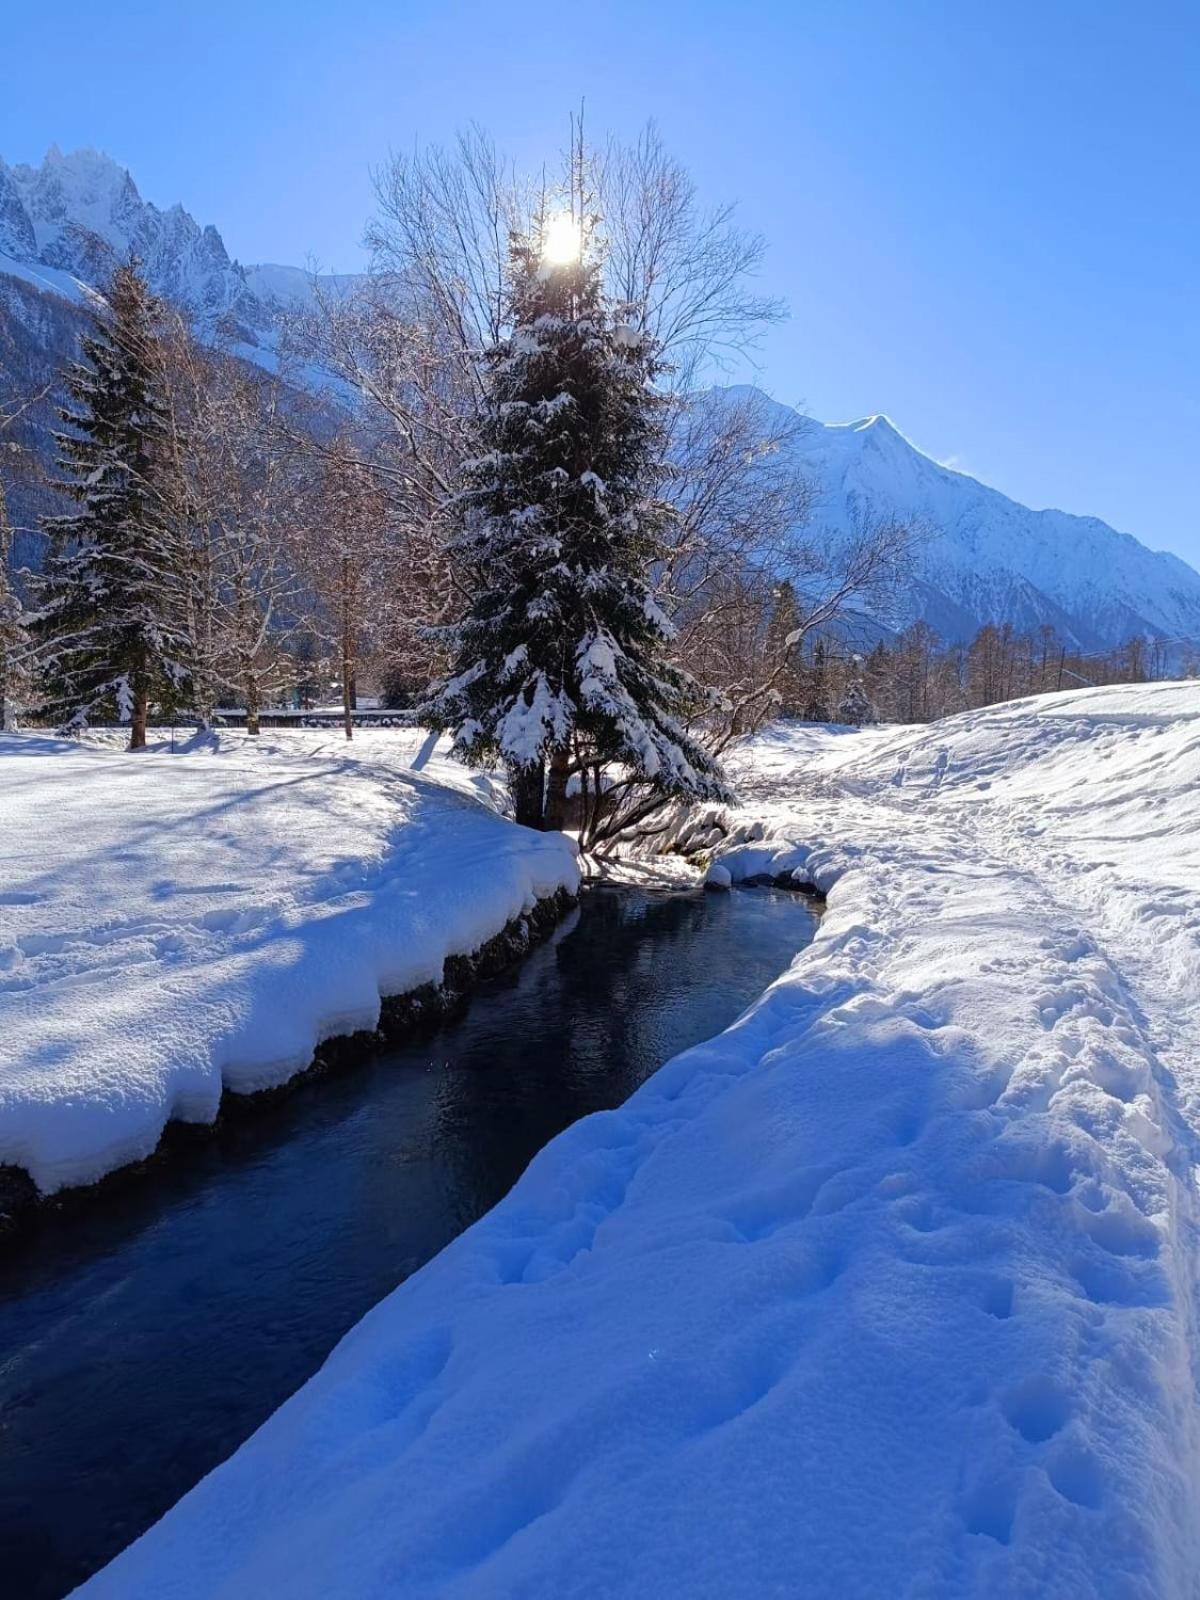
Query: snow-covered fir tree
x,y
562,660
110,636
781,649
855,708
14,643
14,635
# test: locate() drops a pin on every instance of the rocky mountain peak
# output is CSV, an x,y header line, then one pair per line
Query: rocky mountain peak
x,y
81,212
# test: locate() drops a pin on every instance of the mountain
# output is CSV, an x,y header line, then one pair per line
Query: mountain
x,y
982,557
65,224
281,288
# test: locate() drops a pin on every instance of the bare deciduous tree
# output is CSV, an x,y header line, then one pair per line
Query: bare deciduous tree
x,y
346,558
238,499
686,273
15,460
409,345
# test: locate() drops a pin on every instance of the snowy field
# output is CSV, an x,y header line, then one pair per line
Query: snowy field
x,y
172,924
890,1290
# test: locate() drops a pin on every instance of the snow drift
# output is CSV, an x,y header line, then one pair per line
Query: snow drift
x,y
888,1290
175,925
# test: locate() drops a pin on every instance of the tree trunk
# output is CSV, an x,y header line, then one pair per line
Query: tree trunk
x,y
6,612
528,793
556,790
252,703
137,729
347,655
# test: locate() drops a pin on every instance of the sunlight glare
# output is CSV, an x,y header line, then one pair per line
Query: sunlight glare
x,y
560,240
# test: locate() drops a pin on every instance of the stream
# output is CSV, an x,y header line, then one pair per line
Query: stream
x,y
142,1340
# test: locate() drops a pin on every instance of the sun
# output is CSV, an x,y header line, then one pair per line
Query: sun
x,y
560,240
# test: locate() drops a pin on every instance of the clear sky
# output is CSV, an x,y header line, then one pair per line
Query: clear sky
x,y
985,216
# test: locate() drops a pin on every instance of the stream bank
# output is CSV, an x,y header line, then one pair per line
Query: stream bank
x,y
400,1016
178,1315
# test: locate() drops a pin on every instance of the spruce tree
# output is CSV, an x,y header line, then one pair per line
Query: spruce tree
x,y
816,698
563,654
856,709
781,651
109,623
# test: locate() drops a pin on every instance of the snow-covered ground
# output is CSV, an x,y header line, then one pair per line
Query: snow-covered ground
x,y
172,924
890,1290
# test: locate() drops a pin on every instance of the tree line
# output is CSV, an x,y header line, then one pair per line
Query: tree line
x,y
919,677
191,558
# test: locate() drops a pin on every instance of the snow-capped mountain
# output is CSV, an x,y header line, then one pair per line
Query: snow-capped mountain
x,y
65,224
984,558
281,288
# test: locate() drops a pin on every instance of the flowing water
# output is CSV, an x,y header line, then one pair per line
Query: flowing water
x,y
141,1341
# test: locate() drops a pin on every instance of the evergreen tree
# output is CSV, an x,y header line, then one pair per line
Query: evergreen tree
x,y
109,620
877,682
855,708
782,648
562,656
816,689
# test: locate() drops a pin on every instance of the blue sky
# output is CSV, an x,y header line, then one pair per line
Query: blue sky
x,y
984,217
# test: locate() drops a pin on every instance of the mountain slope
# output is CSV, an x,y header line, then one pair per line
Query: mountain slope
x,y
70,220
63,226
986,558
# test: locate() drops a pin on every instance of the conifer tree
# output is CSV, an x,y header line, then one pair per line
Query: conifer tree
x,y
855,708
562,659
111,639
781,649
816,700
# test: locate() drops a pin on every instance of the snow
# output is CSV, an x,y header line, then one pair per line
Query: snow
x,y
983,557
888,1290
294,286
175,924
47,279
68,220
986,557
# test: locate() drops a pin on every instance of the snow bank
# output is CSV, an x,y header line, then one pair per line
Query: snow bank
x,y
173,925
888,1290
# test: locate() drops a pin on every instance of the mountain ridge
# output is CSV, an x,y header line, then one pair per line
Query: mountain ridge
x,y
988,558
66,223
